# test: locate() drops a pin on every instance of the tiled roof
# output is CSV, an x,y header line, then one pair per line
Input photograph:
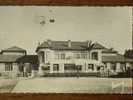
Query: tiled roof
x,y
63,45
14,48
109,51
18,58
8,58
117,58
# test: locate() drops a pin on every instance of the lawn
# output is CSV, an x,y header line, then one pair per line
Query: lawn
x,y
74,85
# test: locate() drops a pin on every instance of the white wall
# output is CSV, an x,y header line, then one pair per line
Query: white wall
x,y
50,58
2,67
12,73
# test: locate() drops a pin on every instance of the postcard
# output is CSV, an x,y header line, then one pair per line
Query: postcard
x,y
66,49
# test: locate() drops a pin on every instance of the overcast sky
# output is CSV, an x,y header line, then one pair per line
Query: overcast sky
x,y
110,26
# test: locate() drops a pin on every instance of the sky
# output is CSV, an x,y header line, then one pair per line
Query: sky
x,y
20,26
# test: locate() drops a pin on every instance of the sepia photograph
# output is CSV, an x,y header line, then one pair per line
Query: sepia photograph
x,y
66,49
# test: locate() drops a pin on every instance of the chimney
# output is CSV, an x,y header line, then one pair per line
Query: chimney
x,y
49,42
38,43
69,43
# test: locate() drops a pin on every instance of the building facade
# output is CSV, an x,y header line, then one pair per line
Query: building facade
x,y
14,61
66,57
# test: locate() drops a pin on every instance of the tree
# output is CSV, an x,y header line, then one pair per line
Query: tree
x,y
128,53
90,45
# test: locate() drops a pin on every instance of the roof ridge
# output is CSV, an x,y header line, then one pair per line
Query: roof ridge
x,y
76,45
68,40
14,48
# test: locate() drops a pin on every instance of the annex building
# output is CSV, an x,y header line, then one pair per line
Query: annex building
x,y
14,61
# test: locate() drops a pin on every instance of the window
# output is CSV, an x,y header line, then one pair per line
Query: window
x,y
80,55
90,66
84,55
8,67
46,68
47,53
59,55
123,66
21,67
88,55
56,55
77,55
98,68
95,56
79,67
69,67
113,66
62,55
105,64
42,56
56,67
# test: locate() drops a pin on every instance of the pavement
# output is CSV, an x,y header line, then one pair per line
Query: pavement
x,y
74,85
6,85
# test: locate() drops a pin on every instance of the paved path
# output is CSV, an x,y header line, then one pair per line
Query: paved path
x,y
73,85
6,85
